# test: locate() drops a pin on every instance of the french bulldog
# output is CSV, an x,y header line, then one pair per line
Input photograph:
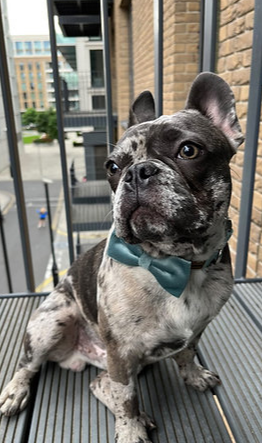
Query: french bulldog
x,y
164,272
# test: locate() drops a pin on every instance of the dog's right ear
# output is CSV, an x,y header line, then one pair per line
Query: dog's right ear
x,y
143,109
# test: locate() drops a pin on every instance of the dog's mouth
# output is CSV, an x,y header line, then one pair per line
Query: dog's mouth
x,y
140,224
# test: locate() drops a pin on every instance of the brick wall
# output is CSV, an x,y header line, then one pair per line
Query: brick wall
x,y
234,60
181,45
180,52
181,48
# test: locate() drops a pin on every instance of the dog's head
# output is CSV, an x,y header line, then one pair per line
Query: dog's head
x,y
171,177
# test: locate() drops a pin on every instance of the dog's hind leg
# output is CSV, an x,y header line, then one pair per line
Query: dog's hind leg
x,y
193,374
50,335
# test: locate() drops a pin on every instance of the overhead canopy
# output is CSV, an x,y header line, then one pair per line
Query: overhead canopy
x,y
80,18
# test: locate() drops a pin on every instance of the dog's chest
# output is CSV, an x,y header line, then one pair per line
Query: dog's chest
x,y
138,308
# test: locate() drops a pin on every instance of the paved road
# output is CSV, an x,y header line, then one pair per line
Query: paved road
x,y
39,238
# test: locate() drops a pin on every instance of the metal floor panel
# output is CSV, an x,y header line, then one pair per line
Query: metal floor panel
x,y
250,296
66,411
14,316
232,347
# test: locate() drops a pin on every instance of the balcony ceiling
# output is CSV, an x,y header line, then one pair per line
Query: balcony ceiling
x,y
80,18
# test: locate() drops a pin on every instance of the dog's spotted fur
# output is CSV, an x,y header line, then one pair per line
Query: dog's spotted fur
x,y
118,317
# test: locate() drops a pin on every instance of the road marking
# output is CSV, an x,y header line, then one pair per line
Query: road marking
x,y
10,203
47,281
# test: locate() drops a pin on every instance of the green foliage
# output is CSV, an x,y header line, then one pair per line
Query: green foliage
x,y
46,122
29,117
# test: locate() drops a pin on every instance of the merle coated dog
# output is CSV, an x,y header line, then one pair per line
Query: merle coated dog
x,y
163,274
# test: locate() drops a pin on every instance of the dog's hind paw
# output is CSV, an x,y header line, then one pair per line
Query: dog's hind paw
x,y
14,398
200,378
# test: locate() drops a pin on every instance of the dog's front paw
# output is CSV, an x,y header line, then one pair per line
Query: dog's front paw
x,y
200,378
132,430
14,398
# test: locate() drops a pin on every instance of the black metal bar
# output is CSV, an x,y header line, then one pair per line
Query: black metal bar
x,y
7,267
247,280
208,35
253,120
54,267
15,161
158,49
107,73
79,19
24,295
78,245
60,128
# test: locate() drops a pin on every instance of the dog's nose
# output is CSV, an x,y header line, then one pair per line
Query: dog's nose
x,y
139,174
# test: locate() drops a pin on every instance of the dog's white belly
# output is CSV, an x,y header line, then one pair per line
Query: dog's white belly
x,y
88,349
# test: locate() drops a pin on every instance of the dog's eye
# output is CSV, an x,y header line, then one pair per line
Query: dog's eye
x,y
188,152
112,167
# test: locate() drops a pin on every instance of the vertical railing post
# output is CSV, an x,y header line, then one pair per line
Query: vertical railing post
x,y
208,35
158,55
249,168
107,73
15,161
60,128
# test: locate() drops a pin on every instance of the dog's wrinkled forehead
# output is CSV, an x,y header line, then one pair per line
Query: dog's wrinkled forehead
x,y
165,134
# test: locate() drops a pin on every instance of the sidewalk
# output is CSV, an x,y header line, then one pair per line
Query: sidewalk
x,y
44,161
6,201
88,239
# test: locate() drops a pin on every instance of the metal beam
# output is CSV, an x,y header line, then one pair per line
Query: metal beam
x,y
107,73
253,121
60,127
79,19
208,35
15,161
158,49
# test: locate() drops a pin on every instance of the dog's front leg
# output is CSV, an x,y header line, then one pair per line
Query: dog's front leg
x,y
117,390
193,374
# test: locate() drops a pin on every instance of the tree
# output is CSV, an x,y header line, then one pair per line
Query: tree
x,y
29,117
46,122
42,121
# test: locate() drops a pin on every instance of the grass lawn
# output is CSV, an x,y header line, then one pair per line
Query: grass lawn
x,y
30,138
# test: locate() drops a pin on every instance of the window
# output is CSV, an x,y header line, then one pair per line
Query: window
x,y
31,76
30,67
32,86
47,47
21,66
28,48
98,102
34,105
40,86
37,47
25,105
25,96
23,85
38,66
97,74
22,76
32,95
19,49
39,75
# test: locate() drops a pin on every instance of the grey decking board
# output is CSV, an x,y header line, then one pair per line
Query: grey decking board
x,y
14,317
80,417
232,347
250,296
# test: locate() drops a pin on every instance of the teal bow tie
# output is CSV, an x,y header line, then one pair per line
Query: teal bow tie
x,y
172,273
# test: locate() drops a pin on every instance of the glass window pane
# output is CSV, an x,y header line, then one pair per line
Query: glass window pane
x,y
97,73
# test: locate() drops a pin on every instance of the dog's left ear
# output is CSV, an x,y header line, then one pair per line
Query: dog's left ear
x,y
212,96
143,109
